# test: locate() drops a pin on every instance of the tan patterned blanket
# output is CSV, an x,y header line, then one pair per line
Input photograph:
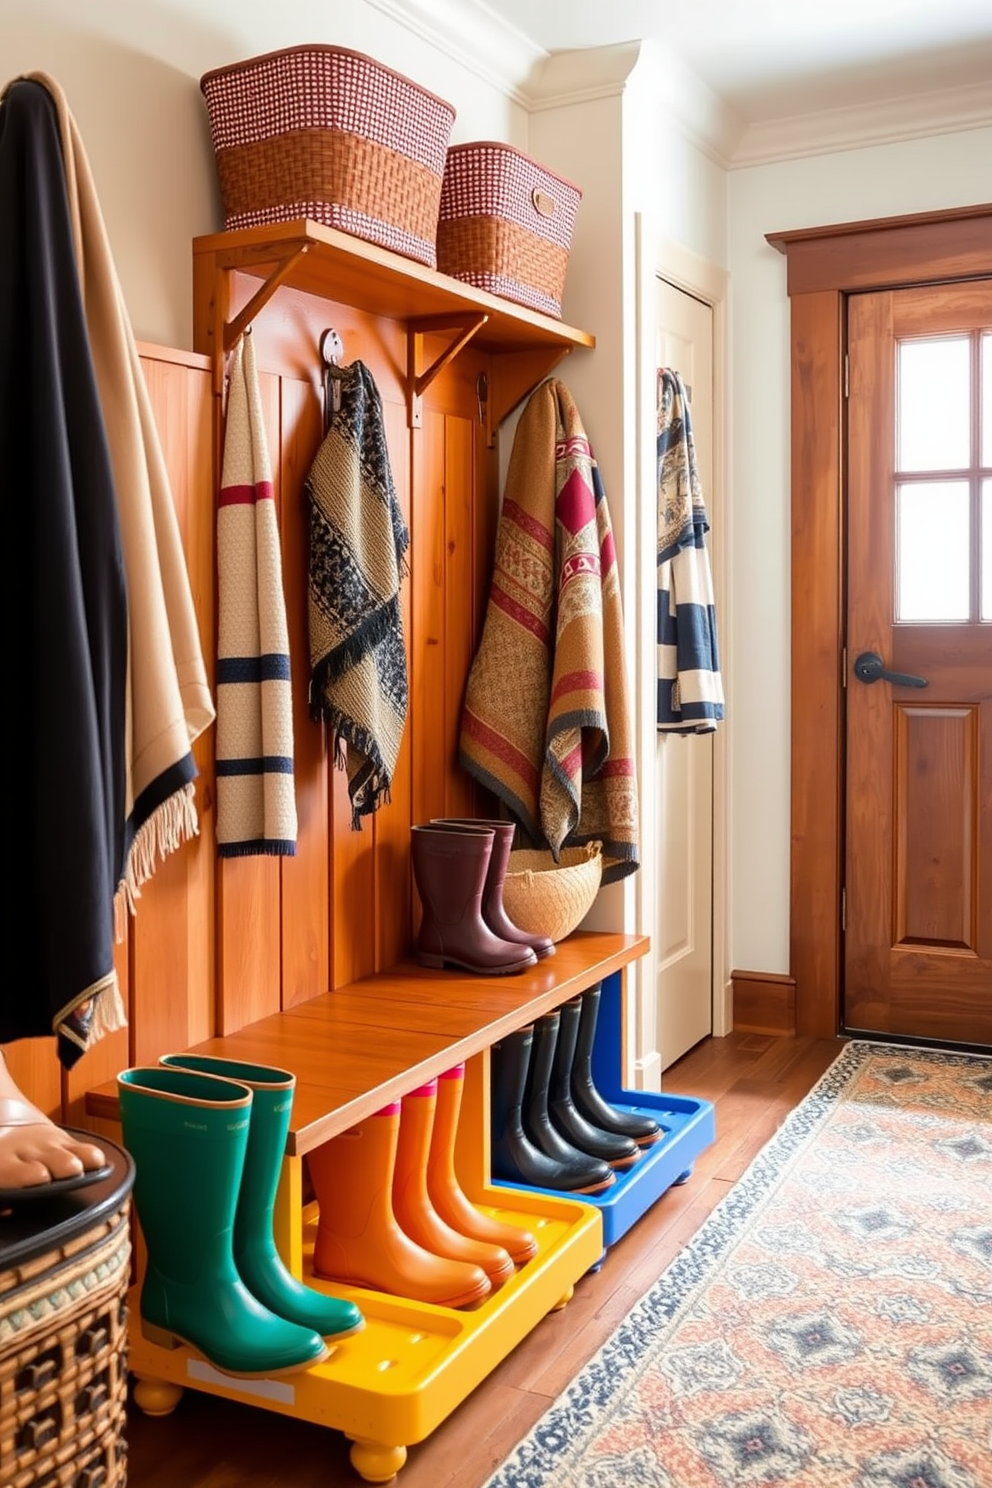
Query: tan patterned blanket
x,y
545,722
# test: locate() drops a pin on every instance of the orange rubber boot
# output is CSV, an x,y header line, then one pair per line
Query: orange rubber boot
x,y
442,1183
411,1202
359,1241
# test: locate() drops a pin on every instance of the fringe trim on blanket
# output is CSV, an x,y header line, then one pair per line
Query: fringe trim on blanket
x,y
98,1010
168,827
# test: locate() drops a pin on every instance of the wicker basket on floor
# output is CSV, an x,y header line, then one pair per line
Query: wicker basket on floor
x,y
330,134
543,897
63,1345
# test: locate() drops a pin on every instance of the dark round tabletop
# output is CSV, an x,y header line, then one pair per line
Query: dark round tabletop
x,y
34,1222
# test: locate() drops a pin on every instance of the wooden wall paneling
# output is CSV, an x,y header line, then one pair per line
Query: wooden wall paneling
x,y
817,632
391,824
249,927
460,635
429,620
171,946
305,884
197,524
355,947
34,1066
485,517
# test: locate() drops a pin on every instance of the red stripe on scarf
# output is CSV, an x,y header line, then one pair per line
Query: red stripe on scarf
x,y
501,748
577,682
518,612
535,530
245,495
616,769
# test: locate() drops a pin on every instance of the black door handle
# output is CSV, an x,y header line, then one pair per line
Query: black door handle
x,y
870,667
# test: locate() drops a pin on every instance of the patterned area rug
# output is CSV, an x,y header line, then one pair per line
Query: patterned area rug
x,y
829,1324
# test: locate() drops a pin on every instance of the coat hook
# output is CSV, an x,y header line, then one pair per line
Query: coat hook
x,y
331,349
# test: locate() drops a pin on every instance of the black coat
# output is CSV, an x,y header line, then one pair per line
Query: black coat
x,y
65,604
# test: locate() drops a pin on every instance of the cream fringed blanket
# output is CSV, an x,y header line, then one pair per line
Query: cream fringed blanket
x,y
256,799
168,700
545,724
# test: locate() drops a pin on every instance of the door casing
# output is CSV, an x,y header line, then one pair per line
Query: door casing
x,y
661,257
825,265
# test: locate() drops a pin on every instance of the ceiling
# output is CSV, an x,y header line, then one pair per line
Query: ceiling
x,y
775,59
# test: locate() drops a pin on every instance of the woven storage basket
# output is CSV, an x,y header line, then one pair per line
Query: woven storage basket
x,y
330,134
505,224
63,1348
543,897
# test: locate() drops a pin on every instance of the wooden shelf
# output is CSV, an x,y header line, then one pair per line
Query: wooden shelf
x,y
356,1049
346,269
336,267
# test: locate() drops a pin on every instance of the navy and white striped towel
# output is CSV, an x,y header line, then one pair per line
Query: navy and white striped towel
x,y
690,688
256,798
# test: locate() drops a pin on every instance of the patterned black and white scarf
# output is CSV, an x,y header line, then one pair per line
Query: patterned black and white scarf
x,y
358,542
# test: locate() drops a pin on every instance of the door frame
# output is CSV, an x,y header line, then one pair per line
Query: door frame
x,y
658,256
824,266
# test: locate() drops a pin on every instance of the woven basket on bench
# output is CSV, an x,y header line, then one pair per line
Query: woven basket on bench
x,y
505,224
543,897
330,134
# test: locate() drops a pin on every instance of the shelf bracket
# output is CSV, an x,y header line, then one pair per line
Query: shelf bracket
x,y
466,326
230,330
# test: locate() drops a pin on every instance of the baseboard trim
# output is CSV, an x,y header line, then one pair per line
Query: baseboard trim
x,y
764,1002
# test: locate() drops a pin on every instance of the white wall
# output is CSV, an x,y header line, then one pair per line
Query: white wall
x,y
948,170
131,69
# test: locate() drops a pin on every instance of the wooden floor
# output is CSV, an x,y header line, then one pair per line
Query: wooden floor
x,y
753,1081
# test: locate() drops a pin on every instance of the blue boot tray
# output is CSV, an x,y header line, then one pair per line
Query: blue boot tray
x,y
688,1127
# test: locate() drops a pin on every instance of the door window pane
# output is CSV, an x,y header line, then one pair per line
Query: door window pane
x,y
933,402
987,550
932,527
987,398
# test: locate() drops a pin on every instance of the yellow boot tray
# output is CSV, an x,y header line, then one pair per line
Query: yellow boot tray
x,y
394,1382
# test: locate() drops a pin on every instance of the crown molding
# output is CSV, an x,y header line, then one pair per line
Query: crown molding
x,y
888,121
582,75
470,34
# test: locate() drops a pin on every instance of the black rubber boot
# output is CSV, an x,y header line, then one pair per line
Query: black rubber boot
x,y
513,1156
618,1151
592,1174
644,1130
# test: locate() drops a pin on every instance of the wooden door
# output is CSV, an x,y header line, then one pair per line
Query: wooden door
x,y
683,928
918,883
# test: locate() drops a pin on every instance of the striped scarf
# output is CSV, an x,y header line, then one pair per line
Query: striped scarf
x,y
256,801
358,539
690,690
545,723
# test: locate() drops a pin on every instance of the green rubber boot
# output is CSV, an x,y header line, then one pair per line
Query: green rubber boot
x,y
255,1254
188,1134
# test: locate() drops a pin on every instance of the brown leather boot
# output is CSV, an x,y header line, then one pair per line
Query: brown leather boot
x,y
442,1181
359,1240
493,909
450,866
411,1202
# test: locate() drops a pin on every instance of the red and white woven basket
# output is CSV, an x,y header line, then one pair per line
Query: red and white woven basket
x,y
505,224
330,134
